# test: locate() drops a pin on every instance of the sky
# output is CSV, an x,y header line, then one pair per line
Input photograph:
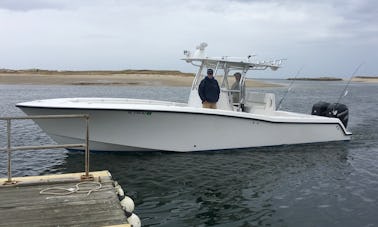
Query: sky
x,y
323,37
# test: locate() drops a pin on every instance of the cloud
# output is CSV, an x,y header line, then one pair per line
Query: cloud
x,y
114,34
27,5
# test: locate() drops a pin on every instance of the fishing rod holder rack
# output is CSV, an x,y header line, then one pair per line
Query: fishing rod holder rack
x,y
9,149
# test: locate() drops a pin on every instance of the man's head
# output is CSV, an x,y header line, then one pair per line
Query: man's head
x,y
210,72
237,76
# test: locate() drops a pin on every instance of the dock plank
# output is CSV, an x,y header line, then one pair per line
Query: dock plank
x,y
24,206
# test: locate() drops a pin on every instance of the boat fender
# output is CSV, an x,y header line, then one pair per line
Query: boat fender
x,y
133,219
128,204
119,191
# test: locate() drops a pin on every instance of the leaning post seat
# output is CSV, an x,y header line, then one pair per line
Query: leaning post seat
x,y
257,102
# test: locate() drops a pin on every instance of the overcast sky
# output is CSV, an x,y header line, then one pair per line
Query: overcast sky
x,y
325,37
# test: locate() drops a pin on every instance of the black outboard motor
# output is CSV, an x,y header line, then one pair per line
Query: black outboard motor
x,y
335,110
320,108
338,110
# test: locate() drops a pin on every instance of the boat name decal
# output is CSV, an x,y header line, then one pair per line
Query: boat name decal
x,y
146,113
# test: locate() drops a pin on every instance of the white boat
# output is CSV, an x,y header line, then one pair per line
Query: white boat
x,y
121,124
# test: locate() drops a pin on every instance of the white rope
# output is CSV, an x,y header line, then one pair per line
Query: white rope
x,y
93,187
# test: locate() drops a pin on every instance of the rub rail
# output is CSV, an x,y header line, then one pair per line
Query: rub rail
x,y
9,147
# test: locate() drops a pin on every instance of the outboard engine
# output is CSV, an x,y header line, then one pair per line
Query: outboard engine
x,y
338,110
320,108
335,110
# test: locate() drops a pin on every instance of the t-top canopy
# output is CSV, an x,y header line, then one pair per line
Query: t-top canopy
x,y
228,62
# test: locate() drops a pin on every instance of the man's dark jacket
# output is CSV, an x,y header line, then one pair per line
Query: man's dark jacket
x,y
208,90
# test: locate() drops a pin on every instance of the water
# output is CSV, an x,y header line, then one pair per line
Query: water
x,y
328,184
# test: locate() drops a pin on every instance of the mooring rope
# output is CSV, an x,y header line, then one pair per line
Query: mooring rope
x,y
93,187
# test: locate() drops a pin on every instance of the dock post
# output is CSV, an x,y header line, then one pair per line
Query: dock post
x,y
87,176
9,150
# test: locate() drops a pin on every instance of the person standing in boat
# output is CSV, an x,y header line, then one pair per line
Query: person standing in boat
x,y
208,91
238,91
236,88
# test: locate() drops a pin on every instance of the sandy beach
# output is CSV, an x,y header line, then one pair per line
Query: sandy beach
x,y
109,79
365,79
123,78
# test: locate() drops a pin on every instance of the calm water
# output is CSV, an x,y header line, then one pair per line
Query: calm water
x,y
330,184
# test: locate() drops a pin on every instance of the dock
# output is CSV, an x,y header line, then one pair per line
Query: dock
x,y
52,200
73,199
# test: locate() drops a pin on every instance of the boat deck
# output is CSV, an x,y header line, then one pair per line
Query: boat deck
x,y
24,205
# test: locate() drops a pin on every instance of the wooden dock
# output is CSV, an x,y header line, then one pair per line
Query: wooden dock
x,y
23,204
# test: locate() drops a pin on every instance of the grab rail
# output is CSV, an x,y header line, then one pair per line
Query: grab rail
x,y
9,147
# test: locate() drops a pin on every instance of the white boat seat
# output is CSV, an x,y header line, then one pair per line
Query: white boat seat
x,y
257,102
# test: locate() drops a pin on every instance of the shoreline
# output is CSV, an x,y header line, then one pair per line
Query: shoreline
x,y
365,79
133,78
316,78
114,79
362,79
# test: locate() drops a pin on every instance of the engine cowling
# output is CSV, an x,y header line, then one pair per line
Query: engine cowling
x,y
320,108
334,110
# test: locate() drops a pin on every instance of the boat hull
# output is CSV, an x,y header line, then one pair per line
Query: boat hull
x,y
182,131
